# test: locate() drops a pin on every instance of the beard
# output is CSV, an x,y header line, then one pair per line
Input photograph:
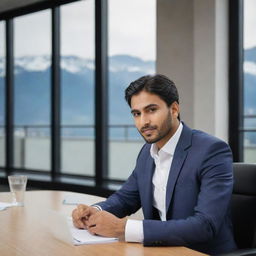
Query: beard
x,y
162,131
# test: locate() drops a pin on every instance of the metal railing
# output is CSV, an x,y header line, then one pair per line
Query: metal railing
x,y
248,129
124,133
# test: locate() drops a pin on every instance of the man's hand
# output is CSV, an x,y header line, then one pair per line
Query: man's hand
x,y
106,224
81,214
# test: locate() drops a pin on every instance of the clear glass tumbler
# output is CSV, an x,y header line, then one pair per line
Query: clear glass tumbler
x,y
17,184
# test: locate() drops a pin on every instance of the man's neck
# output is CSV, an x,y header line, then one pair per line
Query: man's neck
x,y
162,142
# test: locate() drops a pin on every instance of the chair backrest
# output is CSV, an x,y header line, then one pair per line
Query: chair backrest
x,y
243,205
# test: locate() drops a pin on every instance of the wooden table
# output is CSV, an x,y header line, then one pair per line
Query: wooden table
x,y
23,232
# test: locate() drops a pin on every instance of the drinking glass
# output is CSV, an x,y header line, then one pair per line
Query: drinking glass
x,y
17,184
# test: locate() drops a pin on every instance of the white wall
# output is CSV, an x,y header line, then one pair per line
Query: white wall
x,y
175,46
192,49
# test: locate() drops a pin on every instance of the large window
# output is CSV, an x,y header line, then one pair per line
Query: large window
x,y
249,86
132,54
58,84
2,93
77,88
32,63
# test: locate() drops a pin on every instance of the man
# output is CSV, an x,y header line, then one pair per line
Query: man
x,y
182,180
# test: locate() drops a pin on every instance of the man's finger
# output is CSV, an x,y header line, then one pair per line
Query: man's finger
x,y
86,222
81,209
79,224
90,223
92,220
75,215
87,212
93,230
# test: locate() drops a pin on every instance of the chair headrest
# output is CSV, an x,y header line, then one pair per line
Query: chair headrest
x,y
244,179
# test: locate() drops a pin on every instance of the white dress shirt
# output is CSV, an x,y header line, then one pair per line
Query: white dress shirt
x,y
163,161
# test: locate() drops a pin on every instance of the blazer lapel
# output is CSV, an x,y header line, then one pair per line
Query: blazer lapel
x,y
179,157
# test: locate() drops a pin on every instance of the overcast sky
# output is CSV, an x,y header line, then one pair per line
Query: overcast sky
x,y
249,23
132,30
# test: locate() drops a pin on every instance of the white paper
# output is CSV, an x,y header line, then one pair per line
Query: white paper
x,y
83,236
76,199
3,206
62,228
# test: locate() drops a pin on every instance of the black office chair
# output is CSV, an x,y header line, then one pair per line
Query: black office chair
x,y
243,208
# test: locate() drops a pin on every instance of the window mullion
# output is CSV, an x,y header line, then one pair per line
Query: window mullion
x,y
101,91
55,95
9,85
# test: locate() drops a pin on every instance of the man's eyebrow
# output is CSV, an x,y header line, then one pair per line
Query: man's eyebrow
x,y
146,107
150,106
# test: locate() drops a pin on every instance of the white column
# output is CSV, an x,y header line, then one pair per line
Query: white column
x,y
192,49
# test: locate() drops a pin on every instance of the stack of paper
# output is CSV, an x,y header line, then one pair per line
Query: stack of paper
x,y
82,236
62,228
80,199
3,206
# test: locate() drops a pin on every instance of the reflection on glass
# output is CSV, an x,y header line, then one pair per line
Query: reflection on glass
x,y
2,93
249,147
132,54
32,49
249,120
77,88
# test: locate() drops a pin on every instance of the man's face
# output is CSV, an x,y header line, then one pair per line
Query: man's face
x,y
155,121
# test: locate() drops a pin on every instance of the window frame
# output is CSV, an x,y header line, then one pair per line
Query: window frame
x,y
236,76
55,179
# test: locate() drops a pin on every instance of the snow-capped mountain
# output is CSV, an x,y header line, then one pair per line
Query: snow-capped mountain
x,y
250,67
32,88
250,61
74,64
250,84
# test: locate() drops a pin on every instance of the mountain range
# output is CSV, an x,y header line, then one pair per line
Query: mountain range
x,y
32,88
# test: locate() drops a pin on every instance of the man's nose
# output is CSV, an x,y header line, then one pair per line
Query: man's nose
x,y
144,120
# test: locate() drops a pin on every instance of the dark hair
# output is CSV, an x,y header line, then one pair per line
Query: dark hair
x,y
156,84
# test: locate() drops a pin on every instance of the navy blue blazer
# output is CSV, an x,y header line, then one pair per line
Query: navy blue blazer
x,y
198,195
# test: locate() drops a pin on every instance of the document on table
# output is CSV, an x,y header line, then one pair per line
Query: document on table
x,y
3,205
62,228
82,236
78,199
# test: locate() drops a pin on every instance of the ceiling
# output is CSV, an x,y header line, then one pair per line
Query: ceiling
x,y
9,5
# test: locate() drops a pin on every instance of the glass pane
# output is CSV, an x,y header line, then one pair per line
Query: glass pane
x,y
2,93
250,147
32,49
77,88
127,63
249,80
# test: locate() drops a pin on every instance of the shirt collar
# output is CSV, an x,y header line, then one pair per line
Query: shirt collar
x,y
169,146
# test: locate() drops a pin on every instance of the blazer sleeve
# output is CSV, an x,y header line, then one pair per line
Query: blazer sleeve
x,y
216,183
126,200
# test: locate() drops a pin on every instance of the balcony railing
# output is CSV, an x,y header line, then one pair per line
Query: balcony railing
x,y
32,148
123,132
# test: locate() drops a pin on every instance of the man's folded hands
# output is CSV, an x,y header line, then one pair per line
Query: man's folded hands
x,y
98,222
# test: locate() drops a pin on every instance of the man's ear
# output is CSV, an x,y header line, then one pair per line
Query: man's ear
x,y
175,109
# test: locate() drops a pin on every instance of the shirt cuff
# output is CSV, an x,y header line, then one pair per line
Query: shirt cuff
x,y
134,231
97,207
